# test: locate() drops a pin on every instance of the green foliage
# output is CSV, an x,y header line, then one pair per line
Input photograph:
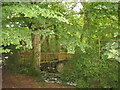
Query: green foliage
x,y
91,29
87,71
112,49
15,65
92,68
22,19
101,20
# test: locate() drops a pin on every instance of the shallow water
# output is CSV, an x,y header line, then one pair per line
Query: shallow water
x,y
54,78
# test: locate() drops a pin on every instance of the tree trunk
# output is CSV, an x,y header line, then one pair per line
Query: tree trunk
x,y
57,47
99,55
36,43
57,43
48,44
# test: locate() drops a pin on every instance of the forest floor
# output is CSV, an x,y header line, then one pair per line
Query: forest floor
x,y
22,81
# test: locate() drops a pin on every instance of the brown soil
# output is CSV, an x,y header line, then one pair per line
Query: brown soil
x,y
23,81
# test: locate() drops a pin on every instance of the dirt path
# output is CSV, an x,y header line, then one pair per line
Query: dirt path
x,y
23,81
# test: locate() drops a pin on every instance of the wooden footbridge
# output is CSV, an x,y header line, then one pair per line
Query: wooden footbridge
x,y
49,57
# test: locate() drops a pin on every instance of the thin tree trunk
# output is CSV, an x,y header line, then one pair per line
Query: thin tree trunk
x,y
99,49
48,44
57,47
81,37
57,44
36,50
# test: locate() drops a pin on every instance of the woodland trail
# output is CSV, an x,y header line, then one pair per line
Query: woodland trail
x,y
23,81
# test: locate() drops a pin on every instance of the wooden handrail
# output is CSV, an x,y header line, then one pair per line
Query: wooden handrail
x,y
56,53
49,57
46,53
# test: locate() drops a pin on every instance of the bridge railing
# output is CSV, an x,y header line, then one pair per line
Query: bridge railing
x,y
49,57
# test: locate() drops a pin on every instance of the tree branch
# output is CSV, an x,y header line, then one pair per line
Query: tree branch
x,y
111,18
42,28
43,39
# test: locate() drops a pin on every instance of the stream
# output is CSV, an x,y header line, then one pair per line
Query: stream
x,y
55,78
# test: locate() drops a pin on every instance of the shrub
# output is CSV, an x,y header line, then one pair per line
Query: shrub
x,y
15,65
87,71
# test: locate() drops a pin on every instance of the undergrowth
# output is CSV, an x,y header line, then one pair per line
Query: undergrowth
x,y
14,65
88,72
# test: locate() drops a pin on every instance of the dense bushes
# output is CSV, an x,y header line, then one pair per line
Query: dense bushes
x,y
14,65
85,70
